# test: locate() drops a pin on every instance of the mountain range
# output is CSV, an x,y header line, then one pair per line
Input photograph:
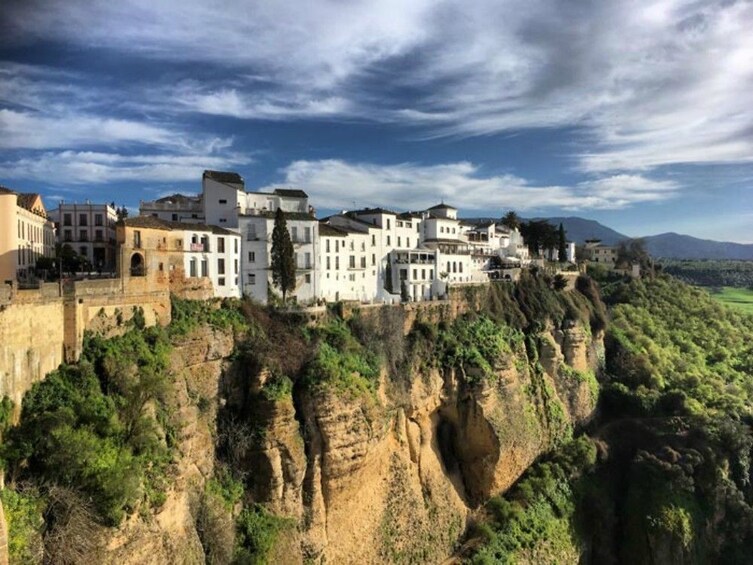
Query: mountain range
x,y
664,245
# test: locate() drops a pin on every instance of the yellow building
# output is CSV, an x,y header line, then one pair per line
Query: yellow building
x,y
26,234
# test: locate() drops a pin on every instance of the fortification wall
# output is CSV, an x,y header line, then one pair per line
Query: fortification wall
x,y
32,334
39,328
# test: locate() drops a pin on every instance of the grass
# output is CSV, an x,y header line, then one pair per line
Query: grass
x,y
741,298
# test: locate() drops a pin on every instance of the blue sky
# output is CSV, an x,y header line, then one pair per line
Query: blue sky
x,y
637,114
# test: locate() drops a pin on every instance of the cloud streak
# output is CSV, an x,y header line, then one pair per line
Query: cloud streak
x,y
652,83
336,184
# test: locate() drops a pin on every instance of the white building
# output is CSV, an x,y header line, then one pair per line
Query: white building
x,y
175,208
90,230
256,228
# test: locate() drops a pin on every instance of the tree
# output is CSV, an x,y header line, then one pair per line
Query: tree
x,y
121,213
511,220
562,251
633,251
283,259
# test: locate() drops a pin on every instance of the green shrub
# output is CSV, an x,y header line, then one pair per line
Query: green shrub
x,y
257,533
25,522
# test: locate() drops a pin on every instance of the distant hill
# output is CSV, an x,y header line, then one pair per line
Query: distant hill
x,y
667,245
678,246
581,229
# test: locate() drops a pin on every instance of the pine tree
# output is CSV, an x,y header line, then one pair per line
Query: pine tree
x,y
562,254
283,258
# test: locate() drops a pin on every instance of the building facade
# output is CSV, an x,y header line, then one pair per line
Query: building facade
x,y
90,230
154,248
175,208
26,234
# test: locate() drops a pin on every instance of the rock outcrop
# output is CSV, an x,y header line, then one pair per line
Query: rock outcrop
x,y
377,480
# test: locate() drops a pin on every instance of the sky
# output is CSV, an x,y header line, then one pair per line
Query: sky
x,y
638,114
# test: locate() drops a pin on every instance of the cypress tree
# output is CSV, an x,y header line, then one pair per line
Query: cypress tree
x,y
283,258
562,255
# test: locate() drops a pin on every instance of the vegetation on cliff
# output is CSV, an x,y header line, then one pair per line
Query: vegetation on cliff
x,y
671,483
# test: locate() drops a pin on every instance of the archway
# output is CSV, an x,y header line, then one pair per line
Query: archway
x,y
137,265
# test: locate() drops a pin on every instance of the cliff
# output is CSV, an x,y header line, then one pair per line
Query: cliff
x,y
372,436
395,476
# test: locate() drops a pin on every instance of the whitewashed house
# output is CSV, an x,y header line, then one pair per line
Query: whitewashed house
x,y
175,208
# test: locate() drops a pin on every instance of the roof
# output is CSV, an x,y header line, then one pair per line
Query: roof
x,y
150,222
410,216
4,190
368,211
443,206
290,193
329,230
27,199
448,241
224,177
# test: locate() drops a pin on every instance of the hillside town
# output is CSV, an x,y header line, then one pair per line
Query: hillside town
x,y
222,238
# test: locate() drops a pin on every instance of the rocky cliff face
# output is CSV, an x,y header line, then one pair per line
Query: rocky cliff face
x,y
170,534
396,479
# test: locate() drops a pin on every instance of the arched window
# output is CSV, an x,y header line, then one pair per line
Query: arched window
x,y
138,269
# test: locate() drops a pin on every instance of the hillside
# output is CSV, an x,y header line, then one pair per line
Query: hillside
x,y
665,245
678,246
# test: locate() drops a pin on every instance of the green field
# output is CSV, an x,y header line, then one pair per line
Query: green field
x,y
741,298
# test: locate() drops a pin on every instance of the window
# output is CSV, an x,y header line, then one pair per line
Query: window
x,y
252,279
352,245
337,245
403,274
407,242
223,201
82,219
460,267
82,235
423,273
67,220
328,264
223,220
373,259
307,258
83,251
308,279
97,219
98,235
235,266
221,281
327,245
399,241
252,256
251,232
205,242
373,240
175,217
431,274
220,245
192,268
307,235
388,241
220,266
337,263
415,274
363,262
235,244
352,261
388,223
68,235
294,233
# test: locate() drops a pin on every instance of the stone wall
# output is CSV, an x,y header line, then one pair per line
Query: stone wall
x,y
41,328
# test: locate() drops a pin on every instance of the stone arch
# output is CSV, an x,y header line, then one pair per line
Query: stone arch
x,y
138,266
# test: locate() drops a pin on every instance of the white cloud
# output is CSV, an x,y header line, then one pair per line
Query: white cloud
x,y
25,130
84,167
336,184
650,82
